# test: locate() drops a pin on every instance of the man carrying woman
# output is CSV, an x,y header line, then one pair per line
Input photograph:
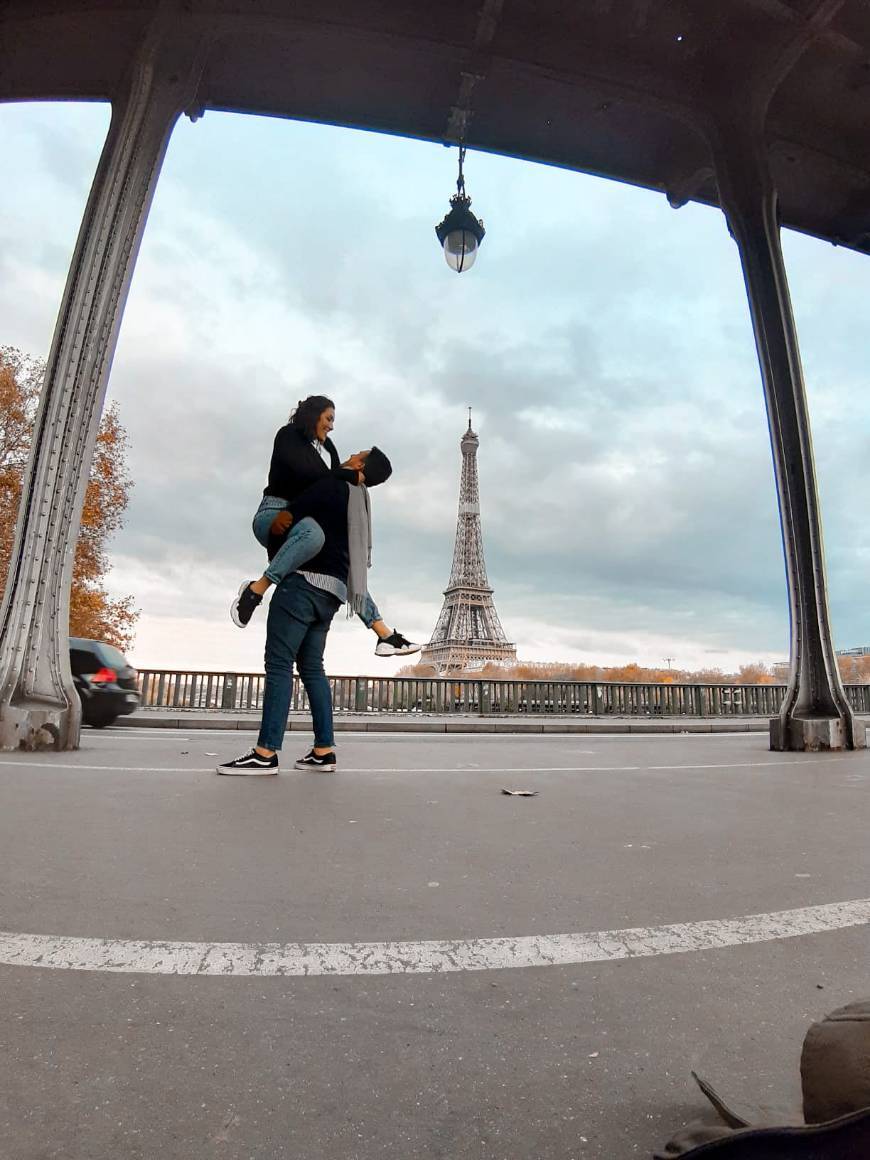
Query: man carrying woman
x,y
303,455
302,609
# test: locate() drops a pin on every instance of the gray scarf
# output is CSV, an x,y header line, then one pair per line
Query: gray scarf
x,y
359,546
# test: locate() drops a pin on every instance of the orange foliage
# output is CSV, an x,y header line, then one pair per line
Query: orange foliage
x,y
854,670
754,674
92,612
20,380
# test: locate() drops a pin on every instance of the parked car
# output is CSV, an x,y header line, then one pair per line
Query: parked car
x,y
105,681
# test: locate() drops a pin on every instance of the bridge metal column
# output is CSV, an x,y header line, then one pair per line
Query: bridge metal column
x,y
815,713
39,707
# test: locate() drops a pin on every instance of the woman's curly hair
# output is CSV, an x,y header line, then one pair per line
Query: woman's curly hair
x,y
306,413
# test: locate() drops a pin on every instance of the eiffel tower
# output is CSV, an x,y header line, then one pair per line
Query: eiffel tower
x,y
468,632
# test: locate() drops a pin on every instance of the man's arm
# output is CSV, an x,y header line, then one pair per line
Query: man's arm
x,y
312,501
349,472
281,523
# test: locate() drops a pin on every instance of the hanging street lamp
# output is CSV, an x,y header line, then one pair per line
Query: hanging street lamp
x,y
460,233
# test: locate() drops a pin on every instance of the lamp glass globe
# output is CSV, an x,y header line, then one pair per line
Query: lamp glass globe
x,y
460,250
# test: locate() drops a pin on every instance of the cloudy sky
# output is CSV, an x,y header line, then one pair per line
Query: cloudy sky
x,y
602,338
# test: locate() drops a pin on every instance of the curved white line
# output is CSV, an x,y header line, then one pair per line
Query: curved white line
x,y
388,958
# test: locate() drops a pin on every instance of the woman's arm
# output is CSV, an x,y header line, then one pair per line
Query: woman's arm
x,y
339,471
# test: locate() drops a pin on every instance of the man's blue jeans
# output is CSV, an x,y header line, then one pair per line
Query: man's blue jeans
x,y
303,541
299,619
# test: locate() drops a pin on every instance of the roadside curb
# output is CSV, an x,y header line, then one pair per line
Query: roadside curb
x,y
401,723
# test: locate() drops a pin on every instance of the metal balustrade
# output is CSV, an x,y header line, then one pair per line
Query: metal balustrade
x,y
243,692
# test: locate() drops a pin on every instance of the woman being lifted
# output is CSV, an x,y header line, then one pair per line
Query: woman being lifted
x,y
302,455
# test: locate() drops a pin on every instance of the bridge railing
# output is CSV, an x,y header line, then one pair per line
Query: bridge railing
x,y
243,692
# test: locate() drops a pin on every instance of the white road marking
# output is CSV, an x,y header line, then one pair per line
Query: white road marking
x,y
388,958
112,768
797,758
171,732
156,733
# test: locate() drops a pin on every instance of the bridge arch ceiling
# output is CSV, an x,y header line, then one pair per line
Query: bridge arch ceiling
x,y
621,88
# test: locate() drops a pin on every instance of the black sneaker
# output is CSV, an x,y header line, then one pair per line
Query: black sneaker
x,y
252,764
244,605
396,645
323,762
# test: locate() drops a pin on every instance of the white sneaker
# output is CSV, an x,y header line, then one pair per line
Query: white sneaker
x,y
396,645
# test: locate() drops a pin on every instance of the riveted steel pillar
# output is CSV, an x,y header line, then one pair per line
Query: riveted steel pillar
x,y
815,713
39,707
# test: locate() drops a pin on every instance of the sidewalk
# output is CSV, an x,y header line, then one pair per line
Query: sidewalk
x,y
449,723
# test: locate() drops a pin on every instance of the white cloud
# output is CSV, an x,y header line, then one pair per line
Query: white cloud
x,y
628,503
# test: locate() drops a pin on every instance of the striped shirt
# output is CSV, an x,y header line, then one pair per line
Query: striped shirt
x,y
326,583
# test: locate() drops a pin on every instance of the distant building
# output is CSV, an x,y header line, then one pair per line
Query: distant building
x,y
862,651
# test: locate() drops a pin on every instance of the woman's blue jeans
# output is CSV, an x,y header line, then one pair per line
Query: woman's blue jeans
x,y
302,543
299,619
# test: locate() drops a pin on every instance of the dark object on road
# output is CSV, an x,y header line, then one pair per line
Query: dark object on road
x,y
834,1123
835,1064
104,679
520,792
847,1138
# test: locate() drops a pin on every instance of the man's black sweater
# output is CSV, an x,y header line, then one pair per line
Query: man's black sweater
x,y
325,502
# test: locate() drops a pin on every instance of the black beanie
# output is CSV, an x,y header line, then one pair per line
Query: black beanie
x,y
377,468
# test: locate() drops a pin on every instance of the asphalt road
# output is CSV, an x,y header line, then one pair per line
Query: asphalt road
x,y
132,845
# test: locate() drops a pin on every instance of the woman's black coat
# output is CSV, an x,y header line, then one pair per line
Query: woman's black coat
x,y
295,466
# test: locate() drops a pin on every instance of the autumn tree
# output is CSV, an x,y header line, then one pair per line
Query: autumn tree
x,y
756,674
633,673
93,613
854,670
20,379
